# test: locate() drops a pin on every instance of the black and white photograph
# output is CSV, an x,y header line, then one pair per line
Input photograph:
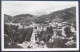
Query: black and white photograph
x,y
40,25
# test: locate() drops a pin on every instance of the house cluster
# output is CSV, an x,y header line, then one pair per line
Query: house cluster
x,y
41,26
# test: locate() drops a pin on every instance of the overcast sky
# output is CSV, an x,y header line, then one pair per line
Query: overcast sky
x,y
34,7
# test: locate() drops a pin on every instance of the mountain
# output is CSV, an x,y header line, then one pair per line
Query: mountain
x,y
7,18
68,14
24,18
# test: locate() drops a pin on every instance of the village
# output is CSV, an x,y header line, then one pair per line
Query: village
x,y
42,26
38,27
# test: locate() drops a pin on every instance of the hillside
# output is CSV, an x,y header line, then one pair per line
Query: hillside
x,y
7,18
24,18
62,15
68,14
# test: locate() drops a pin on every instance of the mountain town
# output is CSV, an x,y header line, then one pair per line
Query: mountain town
x,y
54,30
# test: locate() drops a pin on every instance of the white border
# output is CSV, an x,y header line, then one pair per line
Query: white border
x,y
42,49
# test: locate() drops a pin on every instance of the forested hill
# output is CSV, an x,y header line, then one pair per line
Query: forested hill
x,y
68,14
7,18
24,18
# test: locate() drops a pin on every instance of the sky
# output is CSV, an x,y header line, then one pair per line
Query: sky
x,y
35,7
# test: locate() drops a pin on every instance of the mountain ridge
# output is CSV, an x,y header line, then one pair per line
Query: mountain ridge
x,y
68,14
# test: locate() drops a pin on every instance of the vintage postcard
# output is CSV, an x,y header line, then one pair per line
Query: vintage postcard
x,y
40,26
